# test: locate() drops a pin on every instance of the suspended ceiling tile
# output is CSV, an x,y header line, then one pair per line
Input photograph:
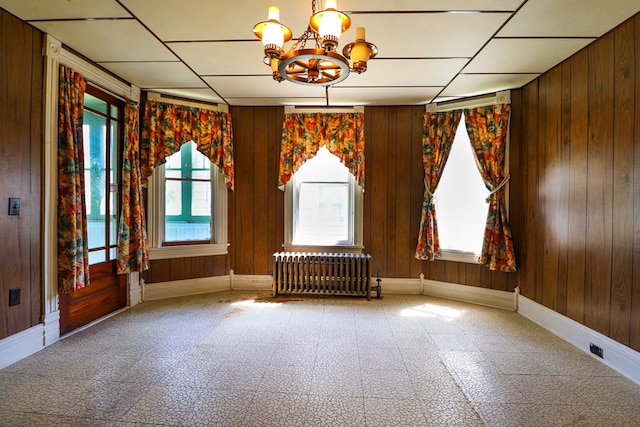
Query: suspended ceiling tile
x,y
320,101
64,9
575,18
479,84
426,35
260,86
524,55
382,95
215,58
421,5
152,75
407,72
108,40
207,95
181,20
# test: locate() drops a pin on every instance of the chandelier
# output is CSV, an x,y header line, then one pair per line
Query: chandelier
x,y
319,64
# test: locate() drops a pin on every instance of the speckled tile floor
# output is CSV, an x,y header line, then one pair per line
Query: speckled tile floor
x,y
223,359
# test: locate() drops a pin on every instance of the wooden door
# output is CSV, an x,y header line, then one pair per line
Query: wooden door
x,y
103,135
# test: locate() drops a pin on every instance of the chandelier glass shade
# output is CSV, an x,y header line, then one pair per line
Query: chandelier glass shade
x,y
318,64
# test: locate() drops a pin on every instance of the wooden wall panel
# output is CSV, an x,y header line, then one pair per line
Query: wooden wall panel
x,y
634,341
622,256
576,250
599,184
579,149
21,141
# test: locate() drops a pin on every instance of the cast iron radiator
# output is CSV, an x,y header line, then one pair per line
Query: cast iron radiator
x,y
322,274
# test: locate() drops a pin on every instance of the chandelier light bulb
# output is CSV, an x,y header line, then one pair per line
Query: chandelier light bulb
x,y
330,23
360,50
272,33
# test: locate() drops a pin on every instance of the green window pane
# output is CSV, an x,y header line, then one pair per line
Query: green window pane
x,y
94,103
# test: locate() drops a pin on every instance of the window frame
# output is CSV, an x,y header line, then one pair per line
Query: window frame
x,y
502,97
219,244
355,221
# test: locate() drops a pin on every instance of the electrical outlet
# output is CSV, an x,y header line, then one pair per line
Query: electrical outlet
x,y
14,296
596,350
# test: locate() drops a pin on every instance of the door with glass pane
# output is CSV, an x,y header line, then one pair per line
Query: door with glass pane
x,y
102,144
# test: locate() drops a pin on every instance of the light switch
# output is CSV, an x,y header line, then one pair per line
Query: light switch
x,y
14,206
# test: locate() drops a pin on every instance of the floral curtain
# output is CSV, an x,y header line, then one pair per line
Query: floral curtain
x,y
168,126
132,234
487,128
73,251
439,133
303,134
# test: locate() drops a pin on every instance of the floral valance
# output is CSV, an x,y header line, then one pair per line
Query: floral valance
x,y
303,134
166,127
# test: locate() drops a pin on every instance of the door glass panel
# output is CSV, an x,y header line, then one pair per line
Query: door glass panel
x,y
101,135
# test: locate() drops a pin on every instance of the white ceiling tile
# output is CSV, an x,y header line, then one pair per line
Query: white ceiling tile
x,y
182,20
64,9
523,55
425,35
108,40
152,75
265,86
216,58
382,96
406,72
319,101
571,18
479,84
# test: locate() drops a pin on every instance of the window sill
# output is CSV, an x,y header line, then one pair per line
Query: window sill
x,y
459,256
324,249
186,251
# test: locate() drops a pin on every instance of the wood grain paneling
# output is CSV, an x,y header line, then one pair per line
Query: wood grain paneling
x,y
21,140
622,257
579,149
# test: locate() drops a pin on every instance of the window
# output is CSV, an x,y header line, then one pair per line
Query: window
x,y
102,135
461,206
323,206
189,200
187,197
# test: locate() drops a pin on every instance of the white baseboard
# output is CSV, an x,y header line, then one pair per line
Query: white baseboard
x,y
179,288
392,285
246,282
21,345
617,356
471,294
51,324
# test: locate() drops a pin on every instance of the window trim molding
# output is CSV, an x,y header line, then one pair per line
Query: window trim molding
x,y
219,233
358,217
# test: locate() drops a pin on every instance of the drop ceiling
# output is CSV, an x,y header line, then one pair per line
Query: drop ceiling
x,y
429,50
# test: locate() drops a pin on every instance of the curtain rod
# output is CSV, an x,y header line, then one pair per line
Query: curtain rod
x,y
503,97
154,96
288,109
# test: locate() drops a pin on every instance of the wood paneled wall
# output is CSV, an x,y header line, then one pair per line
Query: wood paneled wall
x,y
578,180
392,200
21,92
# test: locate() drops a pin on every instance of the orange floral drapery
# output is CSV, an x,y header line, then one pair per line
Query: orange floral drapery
x,y
487,128
169,126
132,231
303,134
73,251
439,133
